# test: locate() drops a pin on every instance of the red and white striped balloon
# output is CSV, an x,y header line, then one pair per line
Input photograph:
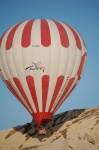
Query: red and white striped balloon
x,y
41,62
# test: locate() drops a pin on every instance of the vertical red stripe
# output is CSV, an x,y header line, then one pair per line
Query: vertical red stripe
x,y
45,85
10,87
63,34
78,42
26,35
81,65
45,33
60,103
70,91
19,86
56,90
65,91
10,37
67,87
31,85
2,38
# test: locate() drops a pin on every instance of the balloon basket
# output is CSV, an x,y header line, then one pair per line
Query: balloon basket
x,y
42,130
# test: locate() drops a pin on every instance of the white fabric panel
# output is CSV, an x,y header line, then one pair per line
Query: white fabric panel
x,y
54,60
36,56
3,57
2,73
70,63
18,61
79,54
8,69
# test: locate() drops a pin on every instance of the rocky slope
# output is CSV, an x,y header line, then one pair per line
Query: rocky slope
x,y
71,130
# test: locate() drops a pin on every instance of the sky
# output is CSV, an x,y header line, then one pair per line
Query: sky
x,y
83,15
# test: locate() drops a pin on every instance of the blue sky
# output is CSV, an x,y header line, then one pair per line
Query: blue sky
x,y
83,15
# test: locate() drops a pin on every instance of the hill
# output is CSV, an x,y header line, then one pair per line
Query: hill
x,y
71,130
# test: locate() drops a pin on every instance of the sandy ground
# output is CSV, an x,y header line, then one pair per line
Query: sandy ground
x,y
71,130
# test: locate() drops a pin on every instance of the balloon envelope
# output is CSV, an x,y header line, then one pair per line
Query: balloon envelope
x,y
41,62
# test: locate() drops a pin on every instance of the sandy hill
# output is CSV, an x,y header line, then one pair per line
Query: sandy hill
x,y
71,130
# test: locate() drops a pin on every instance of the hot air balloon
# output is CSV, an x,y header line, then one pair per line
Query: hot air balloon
x,y
41,62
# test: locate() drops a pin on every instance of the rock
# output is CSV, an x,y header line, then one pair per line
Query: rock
x,y
71,130
58,144
85,145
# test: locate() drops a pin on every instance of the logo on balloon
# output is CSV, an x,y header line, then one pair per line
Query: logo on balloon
x,y
35,66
